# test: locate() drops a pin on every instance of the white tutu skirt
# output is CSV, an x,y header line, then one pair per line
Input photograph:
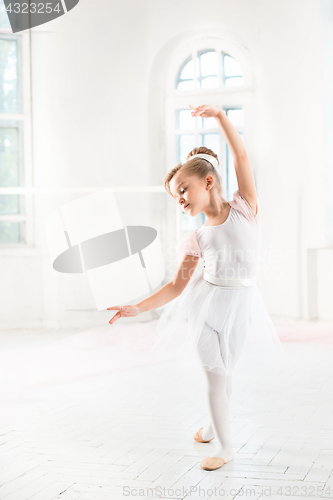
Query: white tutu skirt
x,y
220,325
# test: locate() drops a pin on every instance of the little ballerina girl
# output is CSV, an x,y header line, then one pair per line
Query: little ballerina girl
x,y
220,314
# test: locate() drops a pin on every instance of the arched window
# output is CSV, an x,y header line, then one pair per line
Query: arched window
x,y
209,69
210,76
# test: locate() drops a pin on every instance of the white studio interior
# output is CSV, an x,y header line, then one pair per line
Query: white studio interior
x,y
94,105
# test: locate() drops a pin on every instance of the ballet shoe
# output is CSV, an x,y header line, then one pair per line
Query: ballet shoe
x,y
197,436
212,463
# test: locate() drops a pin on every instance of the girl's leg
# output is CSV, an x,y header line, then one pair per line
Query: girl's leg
x,y
219,389
208,431
219,414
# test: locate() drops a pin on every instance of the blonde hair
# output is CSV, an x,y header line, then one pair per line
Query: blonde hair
x,y
199,167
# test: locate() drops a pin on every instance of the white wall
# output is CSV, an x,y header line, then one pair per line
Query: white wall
x,y
98,96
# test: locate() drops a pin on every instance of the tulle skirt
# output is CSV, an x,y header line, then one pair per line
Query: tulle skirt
x,y
223,326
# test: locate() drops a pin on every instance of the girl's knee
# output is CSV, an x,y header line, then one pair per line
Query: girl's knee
x,y
216,379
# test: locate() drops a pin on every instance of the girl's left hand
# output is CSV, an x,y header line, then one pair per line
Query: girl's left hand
x,y
124,311
206,111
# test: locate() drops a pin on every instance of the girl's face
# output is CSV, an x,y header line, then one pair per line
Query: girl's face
x,y
190,192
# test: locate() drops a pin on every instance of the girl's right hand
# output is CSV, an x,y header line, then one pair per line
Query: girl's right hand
x,y
206,111
124,311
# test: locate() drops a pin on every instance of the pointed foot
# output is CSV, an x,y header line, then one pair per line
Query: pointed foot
x,y
198,437
212,463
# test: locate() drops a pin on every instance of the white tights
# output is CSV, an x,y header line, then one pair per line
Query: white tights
x,y
219,389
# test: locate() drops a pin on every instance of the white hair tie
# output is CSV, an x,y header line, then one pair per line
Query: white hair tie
x,y
209,158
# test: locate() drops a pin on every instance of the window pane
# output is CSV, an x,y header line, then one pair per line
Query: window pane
x,y
185,120
209,123
9,204
211,141
236,116
209,63
8,76
188,71
185,145
9,172
231,67
211,82
12,232
186,79
234,82
188,223
4,21
186,85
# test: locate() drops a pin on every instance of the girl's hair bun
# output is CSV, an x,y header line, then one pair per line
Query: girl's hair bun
x,y
202,150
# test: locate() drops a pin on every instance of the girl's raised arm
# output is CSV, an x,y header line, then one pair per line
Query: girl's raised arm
x,y
242,166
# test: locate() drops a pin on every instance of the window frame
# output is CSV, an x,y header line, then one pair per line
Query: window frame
x,y
24,119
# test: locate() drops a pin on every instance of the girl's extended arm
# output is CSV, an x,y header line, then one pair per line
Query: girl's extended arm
x,y
167,293
242,166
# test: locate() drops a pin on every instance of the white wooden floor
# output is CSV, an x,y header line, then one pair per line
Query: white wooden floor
x,y
106,435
